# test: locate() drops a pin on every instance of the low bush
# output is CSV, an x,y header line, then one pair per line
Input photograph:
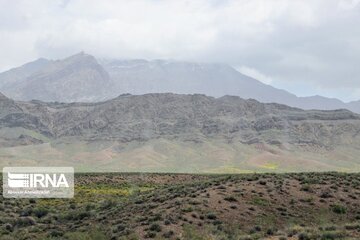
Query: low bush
x,y
339,209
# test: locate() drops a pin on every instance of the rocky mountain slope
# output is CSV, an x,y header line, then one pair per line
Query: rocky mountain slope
x,y
77,78
82,78
17,76
144,117
141,76
160,76
156,130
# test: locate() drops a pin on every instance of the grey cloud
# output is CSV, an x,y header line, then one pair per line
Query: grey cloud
x,y
290,41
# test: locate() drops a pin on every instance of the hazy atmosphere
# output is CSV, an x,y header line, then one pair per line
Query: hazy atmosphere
x,y
180,119
305,47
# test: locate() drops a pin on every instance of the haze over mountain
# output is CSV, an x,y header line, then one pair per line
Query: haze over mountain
x,y
178,133
76,78
81,78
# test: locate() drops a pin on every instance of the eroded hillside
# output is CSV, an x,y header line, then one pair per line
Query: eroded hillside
x,y
153,132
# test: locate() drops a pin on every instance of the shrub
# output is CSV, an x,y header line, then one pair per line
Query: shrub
x,y
187,210
339,209
352,226
108,204
326,194
121,227
330,228
9,227
260,201
150,235
40,212
304,236
305,188
262,182
255,229
25,221
26,212
270,231
155,227
168,234
230,199
56,233
77,215
211,216
332,235
217,222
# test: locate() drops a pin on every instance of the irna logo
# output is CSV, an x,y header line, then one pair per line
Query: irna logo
x,y
31,180
38,182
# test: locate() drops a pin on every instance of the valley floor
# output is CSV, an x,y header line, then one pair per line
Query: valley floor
x,y
184,206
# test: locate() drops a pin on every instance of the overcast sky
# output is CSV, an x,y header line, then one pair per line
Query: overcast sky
x,y
307,47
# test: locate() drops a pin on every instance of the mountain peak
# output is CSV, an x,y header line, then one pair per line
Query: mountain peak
x,y
81,56
65,80
75,78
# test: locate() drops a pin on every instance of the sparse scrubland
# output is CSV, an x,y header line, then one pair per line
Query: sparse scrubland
x,y
183,206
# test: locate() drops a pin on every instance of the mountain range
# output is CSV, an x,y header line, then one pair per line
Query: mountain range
x,y
83,78
166,132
